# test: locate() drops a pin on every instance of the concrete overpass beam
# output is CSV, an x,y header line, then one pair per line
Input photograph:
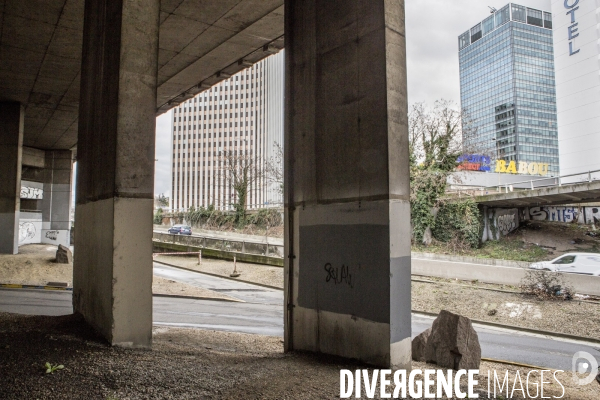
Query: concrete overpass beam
x,y
112,282
347,181
11,152
56,204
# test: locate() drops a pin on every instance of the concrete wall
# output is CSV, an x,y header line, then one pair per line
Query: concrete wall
x,y
498,222
11,150
112,273
347,181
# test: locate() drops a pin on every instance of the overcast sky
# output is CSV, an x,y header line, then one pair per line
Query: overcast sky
x,y
432,30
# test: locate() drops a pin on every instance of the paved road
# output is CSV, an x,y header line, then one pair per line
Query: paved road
x,y
262,313
239,290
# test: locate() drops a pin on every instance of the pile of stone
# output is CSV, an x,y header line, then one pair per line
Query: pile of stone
x,y
451,342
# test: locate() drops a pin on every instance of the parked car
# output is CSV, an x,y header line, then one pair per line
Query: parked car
x,y
576,263
180,230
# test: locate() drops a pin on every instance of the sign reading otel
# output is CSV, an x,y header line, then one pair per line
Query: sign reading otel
x,y
572,29
474,162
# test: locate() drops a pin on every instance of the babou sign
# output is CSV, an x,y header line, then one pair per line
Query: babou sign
x,y
521,167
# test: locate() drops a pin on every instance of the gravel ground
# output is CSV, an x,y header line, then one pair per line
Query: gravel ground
x,y
265,275
183,364
168,287
34,265
571,317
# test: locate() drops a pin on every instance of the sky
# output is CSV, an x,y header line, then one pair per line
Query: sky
x,y
432,30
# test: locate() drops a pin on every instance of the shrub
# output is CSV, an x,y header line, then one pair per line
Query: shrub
x,y
459,222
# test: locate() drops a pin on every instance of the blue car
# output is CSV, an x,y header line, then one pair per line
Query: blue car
x,y
180,230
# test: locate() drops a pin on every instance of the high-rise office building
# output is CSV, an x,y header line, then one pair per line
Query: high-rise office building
x,y
507,87
577,57
242,115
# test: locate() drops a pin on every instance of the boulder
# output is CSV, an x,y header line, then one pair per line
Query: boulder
x,y
418,345
64,255
453,343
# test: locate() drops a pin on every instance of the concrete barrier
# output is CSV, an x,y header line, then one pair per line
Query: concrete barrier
x,y
458,268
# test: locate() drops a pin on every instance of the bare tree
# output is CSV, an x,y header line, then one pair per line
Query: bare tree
x,y
240,173
437,134
436,137
274,168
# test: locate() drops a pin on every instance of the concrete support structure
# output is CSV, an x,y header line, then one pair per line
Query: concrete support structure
x,y
347,181
56,204
11,150
112,282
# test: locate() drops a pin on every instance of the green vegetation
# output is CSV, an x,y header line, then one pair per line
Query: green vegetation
x,y
51,368
507,248
459,221
158,217
209,218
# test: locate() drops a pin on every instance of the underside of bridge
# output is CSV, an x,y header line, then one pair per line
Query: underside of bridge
x,y
89,77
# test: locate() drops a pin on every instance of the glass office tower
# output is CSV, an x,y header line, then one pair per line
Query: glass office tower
x,y
507,86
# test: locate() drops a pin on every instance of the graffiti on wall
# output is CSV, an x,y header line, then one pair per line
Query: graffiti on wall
x,y
507,223
27,231
583,215
52,235
31,193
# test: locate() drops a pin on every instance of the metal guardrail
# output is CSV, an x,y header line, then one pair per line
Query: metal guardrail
x,y
510,186
237,246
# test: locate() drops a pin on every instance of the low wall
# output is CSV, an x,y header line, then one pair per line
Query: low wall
x,y
221,254
493,271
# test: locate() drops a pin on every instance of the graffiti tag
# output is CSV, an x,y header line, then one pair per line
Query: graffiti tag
x,y
52,235
506,223
338,275
31,193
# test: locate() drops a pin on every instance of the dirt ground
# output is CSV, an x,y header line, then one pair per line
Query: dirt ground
x,y
184,364
168,287
262,274
34,265
571,317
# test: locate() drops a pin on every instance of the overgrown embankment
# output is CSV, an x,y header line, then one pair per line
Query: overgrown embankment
x,y
532,241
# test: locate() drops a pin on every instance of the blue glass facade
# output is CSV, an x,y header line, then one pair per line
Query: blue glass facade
x,y
507,86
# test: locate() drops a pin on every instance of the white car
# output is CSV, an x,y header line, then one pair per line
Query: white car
x,y
576,263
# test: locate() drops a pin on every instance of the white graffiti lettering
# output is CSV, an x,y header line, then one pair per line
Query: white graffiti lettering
x,y
31,193
506,223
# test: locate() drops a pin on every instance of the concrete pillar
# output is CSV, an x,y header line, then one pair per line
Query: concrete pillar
x,y
56,204
112,277
347,181
11,151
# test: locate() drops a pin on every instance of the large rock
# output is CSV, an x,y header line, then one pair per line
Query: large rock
x,y
64,255
418,345
453,343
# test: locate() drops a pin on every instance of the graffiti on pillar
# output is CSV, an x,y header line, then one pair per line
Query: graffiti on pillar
x,y
557,214
31,193
26,231
507,223
338,275
52,235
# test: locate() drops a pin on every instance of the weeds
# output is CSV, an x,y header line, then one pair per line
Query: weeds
x,y
545,285
51,368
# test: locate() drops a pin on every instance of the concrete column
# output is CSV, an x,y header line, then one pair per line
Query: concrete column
x,y
112,277
347,181
56,204
11,151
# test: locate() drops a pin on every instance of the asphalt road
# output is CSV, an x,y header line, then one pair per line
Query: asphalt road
x,y
262,313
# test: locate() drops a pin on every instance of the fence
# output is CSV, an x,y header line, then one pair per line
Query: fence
x,y
236,246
